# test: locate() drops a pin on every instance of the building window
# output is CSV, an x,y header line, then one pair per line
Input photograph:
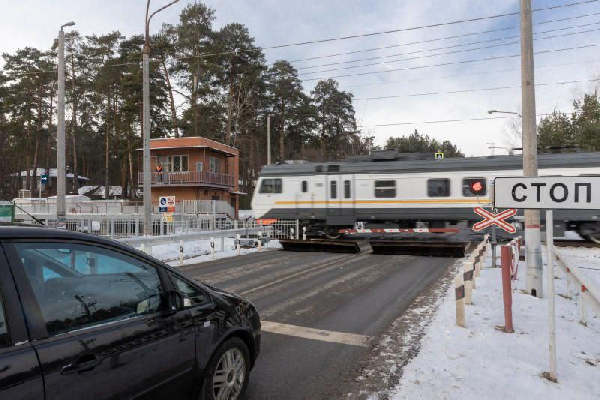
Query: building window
x,y
347,190
438,187
215,165
174,163
333,189
304,186
474,187
385,189
199,166
270,186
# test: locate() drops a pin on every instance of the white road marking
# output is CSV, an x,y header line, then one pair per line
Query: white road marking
x,y
316,334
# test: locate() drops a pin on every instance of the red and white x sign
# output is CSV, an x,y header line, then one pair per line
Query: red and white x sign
x,y
489,219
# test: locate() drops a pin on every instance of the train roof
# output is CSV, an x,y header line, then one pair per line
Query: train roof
x,y
387,162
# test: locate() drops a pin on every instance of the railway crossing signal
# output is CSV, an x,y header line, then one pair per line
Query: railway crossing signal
x,y
491,219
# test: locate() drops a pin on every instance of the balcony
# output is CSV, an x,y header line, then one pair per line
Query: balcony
x,y
190,178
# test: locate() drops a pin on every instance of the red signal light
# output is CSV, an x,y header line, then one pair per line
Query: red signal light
x,y
477,187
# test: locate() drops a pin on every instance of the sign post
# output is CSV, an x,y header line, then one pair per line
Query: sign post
x,y
549,193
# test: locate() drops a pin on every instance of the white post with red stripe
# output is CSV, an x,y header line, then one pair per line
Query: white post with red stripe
x,y
394,230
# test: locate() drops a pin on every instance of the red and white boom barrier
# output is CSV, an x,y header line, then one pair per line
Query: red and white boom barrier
x,y
465,282
394,230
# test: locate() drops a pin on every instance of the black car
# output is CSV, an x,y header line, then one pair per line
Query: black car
x,y
85,317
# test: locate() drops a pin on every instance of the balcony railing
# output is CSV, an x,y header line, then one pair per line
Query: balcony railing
x,y
190,178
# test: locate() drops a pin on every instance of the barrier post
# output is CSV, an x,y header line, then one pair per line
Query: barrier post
x,y
494,245
459,290
292,236
181,252
259,240
212,247
238,244
551,300
297,229
468,281
304,233
582,306
506,261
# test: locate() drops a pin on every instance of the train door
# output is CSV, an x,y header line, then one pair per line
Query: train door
x,y
340,200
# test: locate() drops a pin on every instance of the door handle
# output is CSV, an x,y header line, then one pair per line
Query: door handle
x,y
85,363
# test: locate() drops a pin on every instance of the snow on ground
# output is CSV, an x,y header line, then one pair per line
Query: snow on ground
x,y
198,251
587,260
245,214
480,361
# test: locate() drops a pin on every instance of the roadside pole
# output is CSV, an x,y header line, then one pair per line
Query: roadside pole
x,y
551,305
268,139
61,157
533,248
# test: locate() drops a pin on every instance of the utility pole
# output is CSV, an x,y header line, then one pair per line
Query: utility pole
x,y
61,156
147,180
533,247
268,139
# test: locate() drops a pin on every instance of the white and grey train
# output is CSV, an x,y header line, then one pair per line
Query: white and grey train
x,y
392,190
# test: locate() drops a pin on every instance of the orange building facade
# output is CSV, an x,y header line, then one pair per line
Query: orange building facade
x,y
193,168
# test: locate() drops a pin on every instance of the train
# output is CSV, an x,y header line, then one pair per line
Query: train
x,y
388,189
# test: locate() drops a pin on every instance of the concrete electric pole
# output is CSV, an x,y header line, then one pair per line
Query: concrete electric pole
x,y
533,248
268,139
147,180
61,156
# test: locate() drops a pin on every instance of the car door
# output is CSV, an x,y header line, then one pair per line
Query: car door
x,y
109,330
20,372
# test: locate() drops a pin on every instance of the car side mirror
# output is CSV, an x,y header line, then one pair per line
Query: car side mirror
x,y
178,301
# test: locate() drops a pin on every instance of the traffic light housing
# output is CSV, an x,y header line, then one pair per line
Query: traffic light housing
x,y
475,187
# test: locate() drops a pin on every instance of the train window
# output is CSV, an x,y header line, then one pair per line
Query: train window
x,y
333,168
304,186
385,189
438,187
474,187
347,190
270,186
333,189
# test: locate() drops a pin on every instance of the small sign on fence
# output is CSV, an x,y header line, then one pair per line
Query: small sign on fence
x,y
166,204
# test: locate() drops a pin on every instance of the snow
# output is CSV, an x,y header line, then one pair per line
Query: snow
x,y
99,190
198,251
245,214
42,171
587,260
480,361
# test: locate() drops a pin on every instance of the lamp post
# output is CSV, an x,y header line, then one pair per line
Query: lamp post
x,y
146,123
61,157
504,112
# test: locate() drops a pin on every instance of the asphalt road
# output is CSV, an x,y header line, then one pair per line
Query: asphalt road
x,y
354,295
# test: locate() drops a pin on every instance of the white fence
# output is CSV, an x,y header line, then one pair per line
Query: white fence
x,y
47,207
581,287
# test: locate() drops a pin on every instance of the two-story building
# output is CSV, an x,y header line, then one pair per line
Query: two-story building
x,y
193,168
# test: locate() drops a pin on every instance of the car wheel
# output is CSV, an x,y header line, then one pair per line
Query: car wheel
x,y
228,373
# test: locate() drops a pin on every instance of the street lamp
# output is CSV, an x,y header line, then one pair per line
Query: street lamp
x,y
146,110
61,157
510,151
504,112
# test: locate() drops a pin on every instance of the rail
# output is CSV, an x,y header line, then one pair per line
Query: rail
x,y
189,178
146,242
588,292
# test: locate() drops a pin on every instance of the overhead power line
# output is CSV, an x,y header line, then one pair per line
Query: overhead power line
x,y
427,26
470,74
449,63
488,89
449,52
452,37
446,121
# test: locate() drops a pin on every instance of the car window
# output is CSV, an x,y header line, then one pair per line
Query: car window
x,y
79,286
196,295
4,339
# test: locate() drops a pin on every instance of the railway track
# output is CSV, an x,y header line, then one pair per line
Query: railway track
x,y
575,243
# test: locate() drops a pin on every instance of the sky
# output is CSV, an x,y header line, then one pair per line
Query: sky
x,y
404,88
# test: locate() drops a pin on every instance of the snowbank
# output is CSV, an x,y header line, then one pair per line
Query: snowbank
x,y
482,362
199,251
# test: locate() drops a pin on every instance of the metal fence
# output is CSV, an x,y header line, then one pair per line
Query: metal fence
x,y
125,226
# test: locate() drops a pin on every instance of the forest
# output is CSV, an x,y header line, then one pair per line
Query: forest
x,y
204,81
